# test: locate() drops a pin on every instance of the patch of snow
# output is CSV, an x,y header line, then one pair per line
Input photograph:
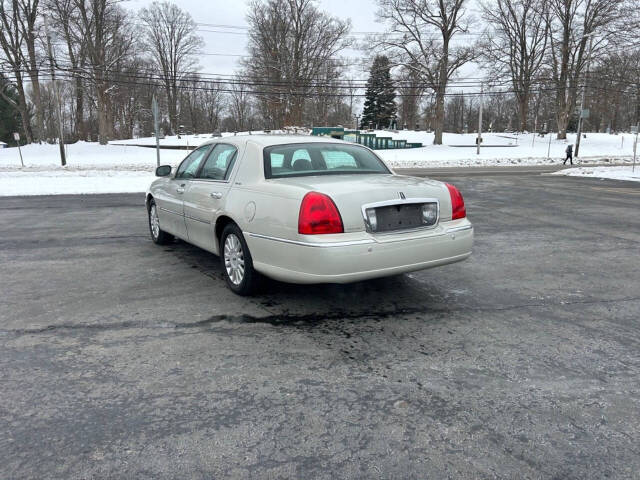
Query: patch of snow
x,y
85,154
615,173
503,149
61,182
94,168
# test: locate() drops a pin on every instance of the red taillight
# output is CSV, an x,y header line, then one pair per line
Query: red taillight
x,y
457,203
318,214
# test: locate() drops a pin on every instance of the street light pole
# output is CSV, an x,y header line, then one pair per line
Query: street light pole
x,y
584,88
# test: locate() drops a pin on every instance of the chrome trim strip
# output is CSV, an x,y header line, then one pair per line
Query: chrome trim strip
x,y
170,211
196,219
346,243
388,203
459,229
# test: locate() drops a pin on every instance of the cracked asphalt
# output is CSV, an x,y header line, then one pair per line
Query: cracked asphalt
x,y
122,359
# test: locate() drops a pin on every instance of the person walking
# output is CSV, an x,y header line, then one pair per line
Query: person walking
x,y
569,152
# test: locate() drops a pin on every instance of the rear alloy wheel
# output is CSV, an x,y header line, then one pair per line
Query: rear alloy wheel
x,y
157,235
237,265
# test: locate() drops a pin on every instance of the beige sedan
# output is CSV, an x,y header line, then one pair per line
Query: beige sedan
x,y
306,210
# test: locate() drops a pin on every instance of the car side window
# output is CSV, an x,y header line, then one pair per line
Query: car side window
x,y
219,164
189,165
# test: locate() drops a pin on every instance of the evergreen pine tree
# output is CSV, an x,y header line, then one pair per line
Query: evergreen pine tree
x,y
379,105
9,117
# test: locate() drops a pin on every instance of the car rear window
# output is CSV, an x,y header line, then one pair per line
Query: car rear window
x,y
305,159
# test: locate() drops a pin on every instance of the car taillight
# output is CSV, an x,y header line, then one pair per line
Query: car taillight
x,y
318,214
458,209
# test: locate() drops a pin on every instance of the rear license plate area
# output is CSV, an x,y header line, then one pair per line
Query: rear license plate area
x,y
400,217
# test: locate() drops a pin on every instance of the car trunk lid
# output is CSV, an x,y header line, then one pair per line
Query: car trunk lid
x,y
351,192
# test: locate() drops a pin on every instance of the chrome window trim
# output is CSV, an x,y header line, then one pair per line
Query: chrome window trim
x,y
399,201
209,180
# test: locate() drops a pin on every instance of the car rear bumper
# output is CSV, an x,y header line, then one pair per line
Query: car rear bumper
x,y
359,256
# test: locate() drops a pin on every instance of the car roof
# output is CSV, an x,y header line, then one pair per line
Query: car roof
x,y
266,140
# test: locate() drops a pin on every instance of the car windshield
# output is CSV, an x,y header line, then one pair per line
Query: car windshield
x,y
304,159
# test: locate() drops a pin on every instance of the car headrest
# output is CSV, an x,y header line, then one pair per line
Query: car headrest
x,y
301,164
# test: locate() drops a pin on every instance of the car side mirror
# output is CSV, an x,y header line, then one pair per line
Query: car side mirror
x,y
163,171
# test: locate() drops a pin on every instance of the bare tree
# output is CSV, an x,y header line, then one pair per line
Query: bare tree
x,y
420,35
571,25
410,90
291,49
12,41
516,46
63,19
171,41
28,18
109,37
240,106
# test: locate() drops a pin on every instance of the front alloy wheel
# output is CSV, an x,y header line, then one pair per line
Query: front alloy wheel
x,y
157,235
237,265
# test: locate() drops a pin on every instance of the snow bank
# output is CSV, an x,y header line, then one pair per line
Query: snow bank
x,y
94,168
86,155
615,173
60,182
500,149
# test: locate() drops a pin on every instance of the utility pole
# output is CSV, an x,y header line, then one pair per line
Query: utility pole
x,y
549,147
479,139
635,148
535,122
584,88
56,90
156,126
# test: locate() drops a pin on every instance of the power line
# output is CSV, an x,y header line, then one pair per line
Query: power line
x,y
155,82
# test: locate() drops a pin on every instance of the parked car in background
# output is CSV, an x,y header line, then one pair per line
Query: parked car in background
x,y
306,210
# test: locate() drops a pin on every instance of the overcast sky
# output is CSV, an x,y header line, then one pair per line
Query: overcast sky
x,y
226,47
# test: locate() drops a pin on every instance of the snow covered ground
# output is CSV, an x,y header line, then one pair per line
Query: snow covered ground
x,y
501,149
123,167
84,155
615,173
91,168
60,182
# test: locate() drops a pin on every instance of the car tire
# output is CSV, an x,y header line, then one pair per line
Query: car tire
x,y
158,236
236,261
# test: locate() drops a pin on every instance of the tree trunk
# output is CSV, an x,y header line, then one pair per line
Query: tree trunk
x,y
35,85
439,116
104,125
173,109
523,110
79,130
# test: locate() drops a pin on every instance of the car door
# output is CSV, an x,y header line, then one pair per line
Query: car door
x,y
170,199
205,196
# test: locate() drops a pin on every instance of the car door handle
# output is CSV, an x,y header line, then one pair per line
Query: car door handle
x,y
216,195
180,189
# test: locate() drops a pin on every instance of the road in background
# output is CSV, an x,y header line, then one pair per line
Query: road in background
x,y
119,358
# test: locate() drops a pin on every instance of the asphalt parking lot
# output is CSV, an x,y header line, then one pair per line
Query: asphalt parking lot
x,y
122,359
